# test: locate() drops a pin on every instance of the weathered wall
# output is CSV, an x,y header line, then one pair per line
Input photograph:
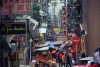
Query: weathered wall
x,y
91,23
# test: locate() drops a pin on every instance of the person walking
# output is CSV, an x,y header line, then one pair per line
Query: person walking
x,y
67,60
84,54
97,58
60,59
63,60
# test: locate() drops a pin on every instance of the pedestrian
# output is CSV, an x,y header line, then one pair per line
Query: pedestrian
x,y
83,54
67,60
63,60
97,58
60,59
70,58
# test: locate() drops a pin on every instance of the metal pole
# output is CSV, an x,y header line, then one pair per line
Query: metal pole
x,y
26,34
76,52
30,52
26,44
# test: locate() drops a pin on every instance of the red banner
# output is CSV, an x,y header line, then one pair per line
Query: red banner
x,y
15,7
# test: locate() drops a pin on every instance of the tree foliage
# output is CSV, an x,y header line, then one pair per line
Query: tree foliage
x,y
36,14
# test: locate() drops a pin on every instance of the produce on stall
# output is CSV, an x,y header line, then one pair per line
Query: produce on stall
x,y
46,56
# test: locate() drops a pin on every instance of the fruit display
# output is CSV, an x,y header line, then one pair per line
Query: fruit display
x,y
44,60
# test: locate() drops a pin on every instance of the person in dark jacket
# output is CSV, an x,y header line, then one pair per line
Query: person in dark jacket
x,y
84,54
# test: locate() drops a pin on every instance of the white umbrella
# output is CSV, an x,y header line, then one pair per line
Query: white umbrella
x,y
45,44
57,42
43,48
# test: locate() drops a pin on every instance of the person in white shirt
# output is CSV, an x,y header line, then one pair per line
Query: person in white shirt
x,y
97,58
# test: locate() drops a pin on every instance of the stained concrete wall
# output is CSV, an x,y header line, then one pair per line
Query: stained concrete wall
x,y
91,23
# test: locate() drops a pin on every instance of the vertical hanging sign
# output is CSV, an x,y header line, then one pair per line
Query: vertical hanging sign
x,y
15,7
64,20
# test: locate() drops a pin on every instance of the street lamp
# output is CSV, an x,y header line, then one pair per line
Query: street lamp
x,y
30,40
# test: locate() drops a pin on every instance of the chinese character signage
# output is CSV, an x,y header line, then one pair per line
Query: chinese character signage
x,y
64,20
57,29
12,28
62,38
15,7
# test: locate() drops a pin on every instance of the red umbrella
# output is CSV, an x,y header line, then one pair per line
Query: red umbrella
x,y
67,43
54,51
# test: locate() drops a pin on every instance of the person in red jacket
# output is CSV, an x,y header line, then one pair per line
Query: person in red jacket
x,y
60,59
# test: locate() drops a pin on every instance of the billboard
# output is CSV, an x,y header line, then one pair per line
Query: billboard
x,y
15,7
12,28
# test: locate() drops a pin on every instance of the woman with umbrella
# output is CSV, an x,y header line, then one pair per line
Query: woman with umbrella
x,y
97,56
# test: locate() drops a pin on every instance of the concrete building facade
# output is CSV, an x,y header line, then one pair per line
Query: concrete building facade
x,y
91,24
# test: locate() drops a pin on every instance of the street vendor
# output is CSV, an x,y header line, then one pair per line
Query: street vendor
x,y
37,61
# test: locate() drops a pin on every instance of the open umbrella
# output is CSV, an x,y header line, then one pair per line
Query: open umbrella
x,y
98,49
43,48
51,46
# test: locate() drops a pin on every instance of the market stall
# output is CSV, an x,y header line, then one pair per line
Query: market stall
x,y
45,56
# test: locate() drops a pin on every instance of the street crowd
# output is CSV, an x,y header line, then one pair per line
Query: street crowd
x,y
66,58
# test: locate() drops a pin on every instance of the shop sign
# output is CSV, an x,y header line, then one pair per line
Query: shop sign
x,y
64,20
62,38
76,40
12,28
57,29
15,7
83,38
49,38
